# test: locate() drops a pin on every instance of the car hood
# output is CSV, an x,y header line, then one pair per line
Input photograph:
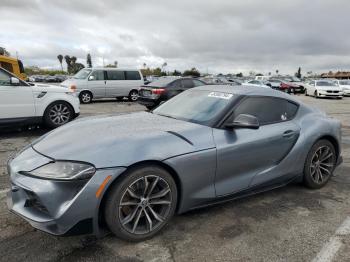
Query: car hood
x,y
335,88
49,88
122,140
72,81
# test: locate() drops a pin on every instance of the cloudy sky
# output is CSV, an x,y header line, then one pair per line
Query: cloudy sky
x,y
214,36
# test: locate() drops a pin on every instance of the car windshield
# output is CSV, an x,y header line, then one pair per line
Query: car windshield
x,y
344,82
82,74
198,106
325,83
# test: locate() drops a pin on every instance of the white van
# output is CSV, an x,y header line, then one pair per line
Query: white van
x,y
91,83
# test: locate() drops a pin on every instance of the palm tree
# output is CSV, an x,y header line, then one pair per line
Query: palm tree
x,y
60,58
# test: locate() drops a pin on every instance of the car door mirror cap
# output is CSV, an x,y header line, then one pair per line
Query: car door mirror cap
x,y
91,78
14,81
244,121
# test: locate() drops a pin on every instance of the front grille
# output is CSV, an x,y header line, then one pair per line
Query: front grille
x,y
332,92
34,202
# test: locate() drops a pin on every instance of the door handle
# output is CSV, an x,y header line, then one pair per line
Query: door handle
x,y
288,133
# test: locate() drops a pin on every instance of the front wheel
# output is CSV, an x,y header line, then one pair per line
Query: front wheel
x,y
85,97
316,94
320,164
141,204
58,114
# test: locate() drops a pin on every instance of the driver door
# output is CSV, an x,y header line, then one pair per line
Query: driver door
x,y
243,153
16,101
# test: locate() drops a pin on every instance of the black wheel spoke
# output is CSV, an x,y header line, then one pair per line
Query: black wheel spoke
x,y
132,194
160,194
160,202
153,186
155,215
137,220
130,217
149,220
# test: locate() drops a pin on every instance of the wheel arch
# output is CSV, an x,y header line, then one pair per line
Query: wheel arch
x,y
86,90
333,141
56,101
140,164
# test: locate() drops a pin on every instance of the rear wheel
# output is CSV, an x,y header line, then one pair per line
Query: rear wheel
x,y
85,97
320,164
58,114
141,204
133,95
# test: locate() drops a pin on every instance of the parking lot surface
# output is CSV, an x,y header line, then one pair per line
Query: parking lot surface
x,y
288,224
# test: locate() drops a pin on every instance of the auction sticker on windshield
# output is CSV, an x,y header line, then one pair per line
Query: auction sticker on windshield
x,y
220,95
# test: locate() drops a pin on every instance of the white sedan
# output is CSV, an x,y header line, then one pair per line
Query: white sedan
x,y
23,103
345,85
256,83
323,88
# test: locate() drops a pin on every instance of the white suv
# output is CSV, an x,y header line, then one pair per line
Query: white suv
x,y
22,103
106,83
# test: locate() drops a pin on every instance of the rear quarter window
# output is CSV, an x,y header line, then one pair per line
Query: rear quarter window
x,y
132,75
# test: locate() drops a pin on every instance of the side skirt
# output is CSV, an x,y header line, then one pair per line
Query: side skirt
x,y
249,192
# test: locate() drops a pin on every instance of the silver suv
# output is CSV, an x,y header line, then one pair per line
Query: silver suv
x,y
91,83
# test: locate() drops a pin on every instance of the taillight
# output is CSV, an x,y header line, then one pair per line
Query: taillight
x,y
283,85
158,91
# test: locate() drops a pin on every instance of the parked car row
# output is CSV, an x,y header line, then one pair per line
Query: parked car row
x,y
47,78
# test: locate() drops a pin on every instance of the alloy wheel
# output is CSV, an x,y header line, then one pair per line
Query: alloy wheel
x,y
86,98
145,204
322,164
59,114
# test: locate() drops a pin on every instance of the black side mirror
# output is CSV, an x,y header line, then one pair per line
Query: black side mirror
x,y
244,121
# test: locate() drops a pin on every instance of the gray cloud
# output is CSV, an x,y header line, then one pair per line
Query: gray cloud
x,y
218,36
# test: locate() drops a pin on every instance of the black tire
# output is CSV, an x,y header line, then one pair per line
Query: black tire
x,y
142,203
319,164
58,114
150,107
85,97
305,92
133,95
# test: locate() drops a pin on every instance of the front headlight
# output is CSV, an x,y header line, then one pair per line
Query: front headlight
x,y
64,170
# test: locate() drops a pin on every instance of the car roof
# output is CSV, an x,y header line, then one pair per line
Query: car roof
x,y
247,91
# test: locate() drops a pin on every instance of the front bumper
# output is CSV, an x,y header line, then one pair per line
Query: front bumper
x,y
58,207
346,92
145,101
330,93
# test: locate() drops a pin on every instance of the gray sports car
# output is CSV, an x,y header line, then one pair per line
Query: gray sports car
x,y
129,174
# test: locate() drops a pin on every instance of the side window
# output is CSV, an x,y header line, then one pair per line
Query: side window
x,y
132,75
187,83
176,84
115,75
98,75
7,66
268,110
4,79
197,83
